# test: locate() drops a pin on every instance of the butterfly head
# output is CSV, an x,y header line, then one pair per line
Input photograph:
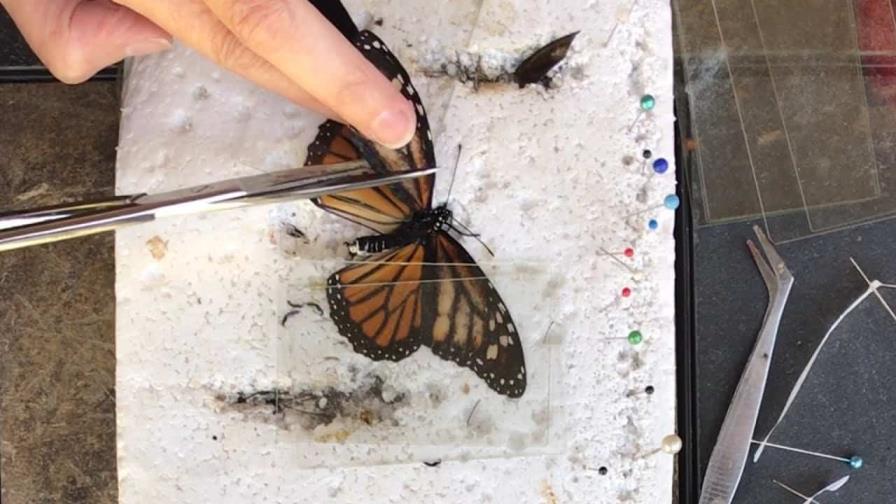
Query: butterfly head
x,y
443,217
431,220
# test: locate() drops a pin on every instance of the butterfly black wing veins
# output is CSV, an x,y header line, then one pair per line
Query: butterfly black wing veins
x,y
418,285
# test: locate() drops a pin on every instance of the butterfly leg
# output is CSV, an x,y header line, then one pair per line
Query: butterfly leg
x,y
297,307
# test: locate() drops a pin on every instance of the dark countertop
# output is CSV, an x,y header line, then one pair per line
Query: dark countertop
x,y
57,307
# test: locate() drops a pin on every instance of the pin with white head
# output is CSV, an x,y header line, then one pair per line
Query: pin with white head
x,y
670,445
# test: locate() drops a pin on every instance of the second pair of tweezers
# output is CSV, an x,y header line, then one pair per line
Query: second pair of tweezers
x,y
729,455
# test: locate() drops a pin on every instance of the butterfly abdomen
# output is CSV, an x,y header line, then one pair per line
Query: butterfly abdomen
x,y
418,228
378,243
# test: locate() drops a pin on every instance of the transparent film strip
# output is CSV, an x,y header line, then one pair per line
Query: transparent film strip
x,y
338,407
793,123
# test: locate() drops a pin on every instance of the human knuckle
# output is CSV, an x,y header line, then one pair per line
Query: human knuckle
x,y
351,85
228,51
251,18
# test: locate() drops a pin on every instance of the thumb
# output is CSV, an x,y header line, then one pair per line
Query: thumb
x,y
77,38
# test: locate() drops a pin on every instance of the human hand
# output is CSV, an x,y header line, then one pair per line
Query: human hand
x,y
286,46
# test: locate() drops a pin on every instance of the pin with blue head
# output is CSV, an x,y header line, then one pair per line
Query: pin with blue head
x,y
671,202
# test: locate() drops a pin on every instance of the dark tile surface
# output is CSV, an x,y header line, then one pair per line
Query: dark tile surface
x,y
18,63
13,49
57,302
790,110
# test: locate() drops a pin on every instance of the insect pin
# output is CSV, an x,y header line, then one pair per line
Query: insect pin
x,y
670,445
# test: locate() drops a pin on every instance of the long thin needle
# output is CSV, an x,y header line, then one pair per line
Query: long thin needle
x,y
805,373
805,452
794,492
876,293
833,487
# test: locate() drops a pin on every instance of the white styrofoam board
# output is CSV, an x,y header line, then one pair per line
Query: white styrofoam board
x,y
543,176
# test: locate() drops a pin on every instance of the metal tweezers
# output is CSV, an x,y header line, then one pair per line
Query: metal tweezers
x,y
48,224
726,464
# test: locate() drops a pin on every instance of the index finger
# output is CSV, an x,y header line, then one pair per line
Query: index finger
x,y
301,43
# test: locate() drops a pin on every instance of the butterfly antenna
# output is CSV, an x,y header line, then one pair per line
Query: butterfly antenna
x,y
467,232
453,173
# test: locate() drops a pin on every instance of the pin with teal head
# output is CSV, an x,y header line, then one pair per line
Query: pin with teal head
x,y
854,461
646,104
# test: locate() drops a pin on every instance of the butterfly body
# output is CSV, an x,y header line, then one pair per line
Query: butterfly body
x,y
417,285
419,228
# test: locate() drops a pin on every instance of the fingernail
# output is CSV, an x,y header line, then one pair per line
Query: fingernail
x,y
148,46
394,128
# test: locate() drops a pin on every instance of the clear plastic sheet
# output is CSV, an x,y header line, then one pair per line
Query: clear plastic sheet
x,y
805,142
334,397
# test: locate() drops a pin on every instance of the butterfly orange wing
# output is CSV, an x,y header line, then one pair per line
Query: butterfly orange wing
x,y
428,292
471,325
433,293
383,208
378,304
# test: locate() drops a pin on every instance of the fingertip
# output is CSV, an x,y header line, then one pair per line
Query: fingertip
x,y
395,126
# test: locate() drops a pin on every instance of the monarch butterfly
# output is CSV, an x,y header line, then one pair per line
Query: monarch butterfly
x,y
420,286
